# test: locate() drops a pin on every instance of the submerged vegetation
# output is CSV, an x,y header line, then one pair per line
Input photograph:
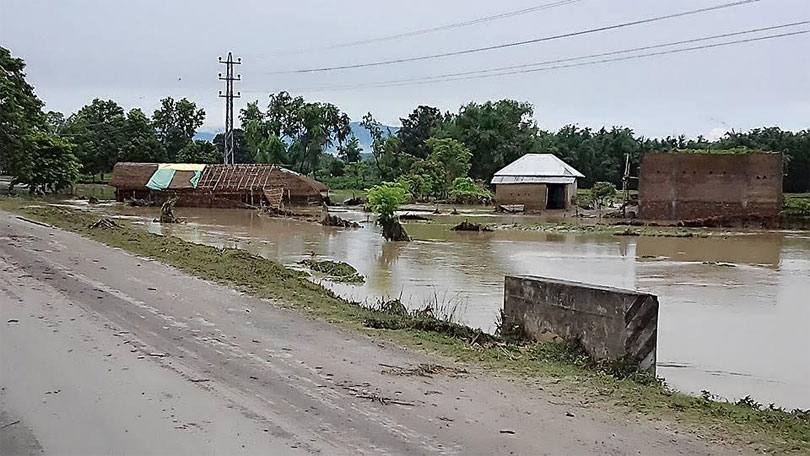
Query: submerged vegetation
x,y
562,367
337,271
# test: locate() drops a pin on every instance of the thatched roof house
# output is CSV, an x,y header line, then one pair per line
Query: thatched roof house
x,y
214,185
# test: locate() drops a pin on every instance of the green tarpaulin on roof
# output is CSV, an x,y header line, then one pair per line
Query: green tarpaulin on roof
x,y
161,179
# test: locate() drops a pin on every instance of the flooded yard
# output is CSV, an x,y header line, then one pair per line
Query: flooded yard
x,y
735,308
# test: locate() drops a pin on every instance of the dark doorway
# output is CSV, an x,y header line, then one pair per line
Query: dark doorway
x,y
556,196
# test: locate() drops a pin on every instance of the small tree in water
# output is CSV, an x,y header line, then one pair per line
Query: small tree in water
x,y
602,193
384,200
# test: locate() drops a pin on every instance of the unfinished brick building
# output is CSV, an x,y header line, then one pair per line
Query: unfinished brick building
x,y
215,185
711,187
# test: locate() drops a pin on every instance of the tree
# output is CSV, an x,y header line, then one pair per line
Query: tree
x,y
20,112
141,143
384,200
602,193
176,123
497,133
427,179
385,148
417,128
241,153
350,152
98,131
454,157
199,151
272,150
50,167
465,191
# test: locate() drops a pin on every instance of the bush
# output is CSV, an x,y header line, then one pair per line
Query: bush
x,y
384,200
466,191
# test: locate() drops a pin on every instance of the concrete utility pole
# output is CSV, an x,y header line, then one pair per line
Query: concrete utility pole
x,y
229,96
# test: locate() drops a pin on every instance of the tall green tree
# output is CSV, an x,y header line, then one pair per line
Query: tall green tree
x,y
20,112
496,133
176,123
386,150
141,143
50,167
99,132
417,128
454,157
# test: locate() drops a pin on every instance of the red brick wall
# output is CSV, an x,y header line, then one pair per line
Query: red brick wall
x,y
677,186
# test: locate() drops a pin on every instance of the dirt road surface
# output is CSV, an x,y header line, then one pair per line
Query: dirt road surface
x,y
102,352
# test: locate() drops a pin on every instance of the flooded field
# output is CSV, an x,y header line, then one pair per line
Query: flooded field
x,y
735,309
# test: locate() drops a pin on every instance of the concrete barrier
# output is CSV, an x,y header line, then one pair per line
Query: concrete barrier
x,y
610,322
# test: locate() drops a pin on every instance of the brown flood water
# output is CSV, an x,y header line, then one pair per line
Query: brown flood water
x,y
735,310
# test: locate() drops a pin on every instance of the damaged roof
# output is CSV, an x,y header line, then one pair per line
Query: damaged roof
x,y
537,169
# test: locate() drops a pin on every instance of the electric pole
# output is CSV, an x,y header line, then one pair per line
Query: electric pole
x,y
229,96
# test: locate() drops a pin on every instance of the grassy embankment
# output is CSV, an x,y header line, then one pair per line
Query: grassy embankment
x,y
561,368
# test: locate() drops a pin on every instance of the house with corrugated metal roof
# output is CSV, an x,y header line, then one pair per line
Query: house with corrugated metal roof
x,y
537,182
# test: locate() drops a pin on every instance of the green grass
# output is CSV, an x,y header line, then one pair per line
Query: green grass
x,y
558,367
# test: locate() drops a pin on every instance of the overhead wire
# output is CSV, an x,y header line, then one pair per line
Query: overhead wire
x,y
425,31
557,67
519,43
562,60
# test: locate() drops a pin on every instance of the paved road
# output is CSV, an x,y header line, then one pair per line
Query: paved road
x,y
102,352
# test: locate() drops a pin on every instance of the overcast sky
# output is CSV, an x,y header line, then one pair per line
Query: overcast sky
x,y
137,52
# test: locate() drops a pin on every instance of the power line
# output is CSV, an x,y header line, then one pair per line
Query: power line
x,y
228,156
519,43
551,62
480,20
557,67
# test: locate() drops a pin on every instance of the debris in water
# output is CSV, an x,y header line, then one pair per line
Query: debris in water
x,y
13,320
467,226
166,214
507,431
415,217
334,220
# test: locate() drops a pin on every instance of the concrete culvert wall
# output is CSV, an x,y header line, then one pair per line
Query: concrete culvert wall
x,y
610,323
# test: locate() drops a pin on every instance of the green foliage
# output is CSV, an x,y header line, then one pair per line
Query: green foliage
x,y
465,191
337,271
50,166
311,128
199,152
452,155
350,152
176,122
355,176
496,133
383,200
29,150
99,132
241,153
797,205
417,128
141,143
602,193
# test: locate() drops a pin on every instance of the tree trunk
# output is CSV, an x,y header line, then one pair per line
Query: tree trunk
x,y
393,230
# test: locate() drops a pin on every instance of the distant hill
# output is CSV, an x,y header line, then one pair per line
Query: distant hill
x,y
206,135
362,135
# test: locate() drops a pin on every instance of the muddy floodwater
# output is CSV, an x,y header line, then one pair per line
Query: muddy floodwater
x,y
735,309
